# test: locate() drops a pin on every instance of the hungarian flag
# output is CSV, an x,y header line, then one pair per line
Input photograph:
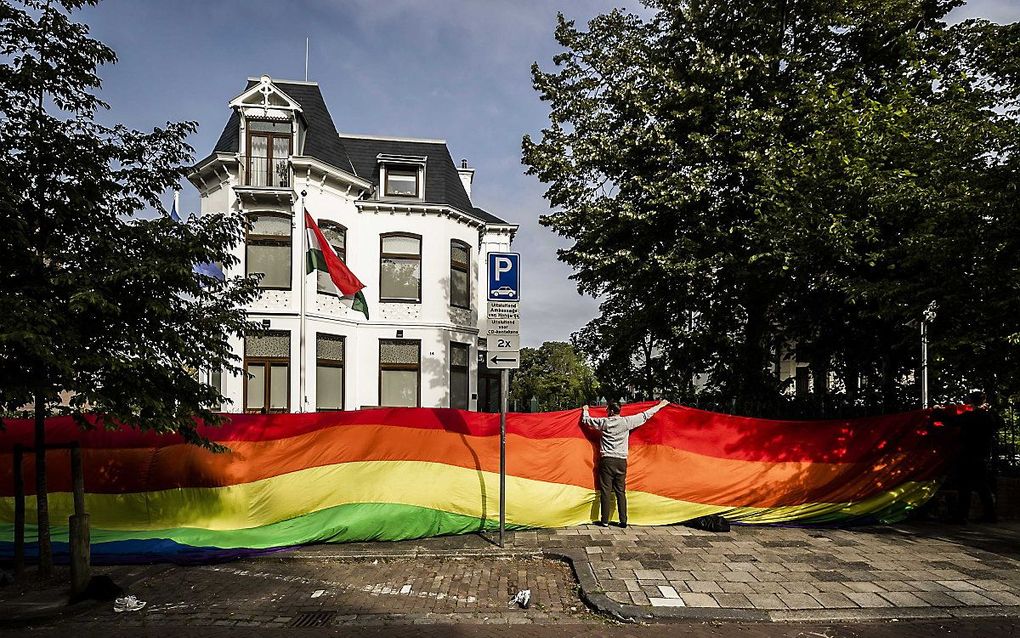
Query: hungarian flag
x,y
322,257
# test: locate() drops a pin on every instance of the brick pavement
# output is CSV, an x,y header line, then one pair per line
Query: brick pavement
x,y
317,592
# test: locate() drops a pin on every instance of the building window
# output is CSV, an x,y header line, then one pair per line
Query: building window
x,y
336,236
802,381
400,372
268,152
268,250
460,354
402,181
216,381
267,362
329,372
400,268
460,279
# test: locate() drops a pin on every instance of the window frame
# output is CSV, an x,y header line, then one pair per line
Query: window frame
x,y
332,363
403,168
323,225
267,363
466,368
399,367
270,240
270,135
385,255
465,268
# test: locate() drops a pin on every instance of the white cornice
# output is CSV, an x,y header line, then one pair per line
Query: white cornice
x,y
305,161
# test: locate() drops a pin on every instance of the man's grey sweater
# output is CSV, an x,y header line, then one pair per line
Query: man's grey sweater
x,y
615,431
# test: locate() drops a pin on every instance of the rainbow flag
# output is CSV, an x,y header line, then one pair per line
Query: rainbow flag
x,y
402,473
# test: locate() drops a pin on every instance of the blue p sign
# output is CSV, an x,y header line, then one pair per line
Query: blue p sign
x,y
504,277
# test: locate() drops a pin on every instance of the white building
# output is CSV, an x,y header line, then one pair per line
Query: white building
x,y
399,213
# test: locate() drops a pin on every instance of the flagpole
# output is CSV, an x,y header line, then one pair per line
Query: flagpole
x,y
302,381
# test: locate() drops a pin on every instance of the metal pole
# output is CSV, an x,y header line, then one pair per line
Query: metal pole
x,y
504,381
924,363
303,279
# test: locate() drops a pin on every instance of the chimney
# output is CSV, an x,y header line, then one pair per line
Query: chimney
x,y
467,175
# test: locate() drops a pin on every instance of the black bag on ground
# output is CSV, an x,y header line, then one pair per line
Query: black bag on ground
x,y
710,523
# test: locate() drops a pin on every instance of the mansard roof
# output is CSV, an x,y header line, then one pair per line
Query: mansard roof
x,y
359,154
442,181
321,142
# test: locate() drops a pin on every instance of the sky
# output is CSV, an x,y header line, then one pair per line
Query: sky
x,y
457,70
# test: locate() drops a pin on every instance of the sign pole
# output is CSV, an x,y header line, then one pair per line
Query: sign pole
x,y
504,381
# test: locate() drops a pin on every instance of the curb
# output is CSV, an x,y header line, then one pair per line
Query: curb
x,y
413,553
603,604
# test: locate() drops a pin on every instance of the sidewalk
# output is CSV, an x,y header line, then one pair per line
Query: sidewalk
x,y
647,574
922,570
917,570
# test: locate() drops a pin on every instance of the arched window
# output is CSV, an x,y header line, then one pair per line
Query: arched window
x,y
268,249
460,274
336,235
400,268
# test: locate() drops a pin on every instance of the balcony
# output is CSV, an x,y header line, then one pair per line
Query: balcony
x,y
266,181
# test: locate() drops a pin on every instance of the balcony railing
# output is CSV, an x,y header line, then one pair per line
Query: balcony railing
x,y
262,172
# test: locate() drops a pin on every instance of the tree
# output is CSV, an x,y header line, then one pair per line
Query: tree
x,y
747,181
554,375
99,301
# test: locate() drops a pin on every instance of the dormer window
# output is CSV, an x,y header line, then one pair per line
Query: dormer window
x,y
268,153
402,176
402,181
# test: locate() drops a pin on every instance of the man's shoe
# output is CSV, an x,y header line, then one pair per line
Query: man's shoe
x,y
599,524
622,525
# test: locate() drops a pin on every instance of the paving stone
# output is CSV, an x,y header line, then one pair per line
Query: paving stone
x,y
868,599
736,588
668,592
972,598
699,600
740,577
704,586
733,601
834,600
648,574
1002,597
991,585
959,585
864,587
799,601
904,599
938,599
766,601
667,602
799,587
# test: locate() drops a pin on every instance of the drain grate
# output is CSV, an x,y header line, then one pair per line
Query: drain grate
x,y
313,619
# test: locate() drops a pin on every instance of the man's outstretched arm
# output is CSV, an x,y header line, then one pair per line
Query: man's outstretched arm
x,y
594,423
638,420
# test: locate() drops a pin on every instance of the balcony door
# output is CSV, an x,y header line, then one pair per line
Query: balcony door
x,y
268,153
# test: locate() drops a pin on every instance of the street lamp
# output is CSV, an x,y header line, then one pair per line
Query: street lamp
x,y
926,316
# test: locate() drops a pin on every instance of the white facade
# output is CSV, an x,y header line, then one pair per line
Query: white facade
x,y
353,201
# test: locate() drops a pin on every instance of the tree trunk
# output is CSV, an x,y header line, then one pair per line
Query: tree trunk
x,y
41,498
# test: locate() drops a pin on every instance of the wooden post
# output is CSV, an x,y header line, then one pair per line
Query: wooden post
x,y
19,513
78,528
42,503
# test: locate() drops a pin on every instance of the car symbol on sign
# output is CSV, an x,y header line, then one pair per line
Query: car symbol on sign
x,y
503,291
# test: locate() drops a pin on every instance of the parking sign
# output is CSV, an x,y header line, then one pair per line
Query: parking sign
x,y
504,277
